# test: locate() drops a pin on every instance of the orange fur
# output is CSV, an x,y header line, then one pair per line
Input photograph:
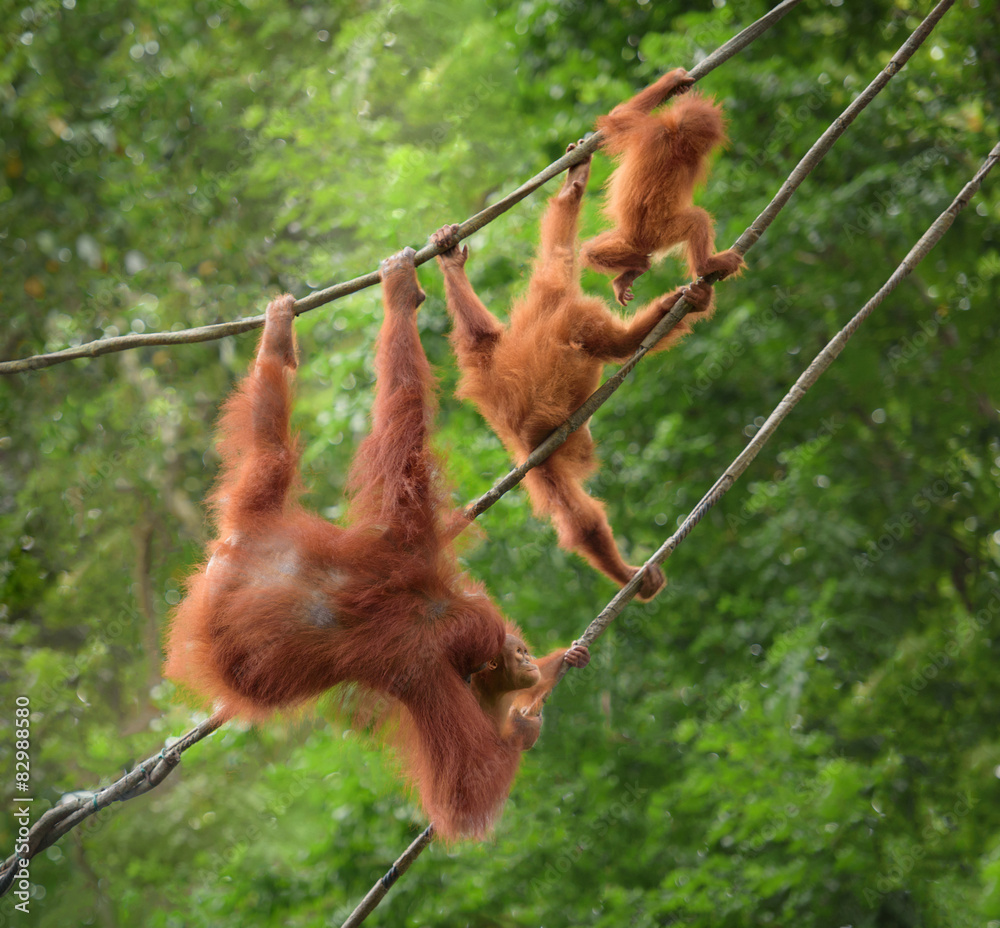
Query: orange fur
x,y
661,158
287,605
527,377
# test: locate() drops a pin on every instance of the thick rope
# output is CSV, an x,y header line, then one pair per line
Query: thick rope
x,y
378,891
742,245
75,807
808,377
57,821
319,297
812,373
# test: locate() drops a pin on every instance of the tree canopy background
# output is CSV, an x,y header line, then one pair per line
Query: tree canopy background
x,y
802,729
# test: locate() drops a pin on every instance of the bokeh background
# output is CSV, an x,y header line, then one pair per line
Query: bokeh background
x,y
804,729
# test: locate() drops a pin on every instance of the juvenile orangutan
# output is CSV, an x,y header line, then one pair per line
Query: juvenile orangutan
x,y
528,376
661,156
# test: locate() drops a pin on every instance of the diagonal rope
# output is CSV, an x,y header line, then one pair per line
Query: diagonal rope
x,y
61,819
74,808
743,244
811,374
377,893
69,813
319,297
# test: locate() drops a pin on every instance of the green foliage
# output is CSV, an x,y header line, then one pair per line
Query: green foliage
x,y
800,730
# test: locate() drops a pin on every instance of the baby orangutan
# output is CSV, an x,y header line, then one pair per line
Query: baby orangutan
x,y
512,688
528,376
661,158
